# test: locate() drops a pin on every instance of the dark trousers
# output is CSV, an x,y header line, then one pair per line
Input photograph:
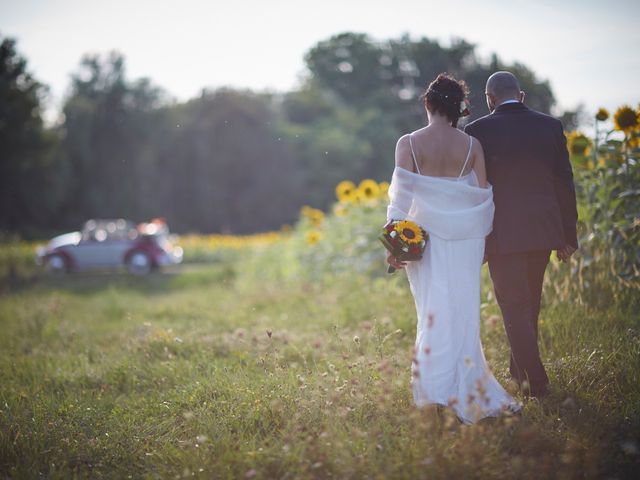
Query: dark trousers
x,y
517,281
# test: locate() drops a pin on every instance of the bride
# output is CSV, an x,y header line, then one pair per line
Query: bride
x,y
439,181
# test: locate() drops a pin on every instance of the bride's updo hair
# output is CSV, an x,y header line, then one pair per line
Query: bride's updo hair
x,y
445,95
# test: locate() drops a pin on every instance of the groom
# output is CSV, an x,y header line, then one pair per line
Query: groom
x,y
535,212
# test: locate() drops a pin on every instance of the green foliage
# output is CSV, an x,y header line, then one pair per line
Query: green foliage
x,y
607,268
29,159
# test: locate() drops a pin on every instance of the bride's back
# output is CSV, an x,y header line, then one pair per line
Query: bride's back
x,y
441,152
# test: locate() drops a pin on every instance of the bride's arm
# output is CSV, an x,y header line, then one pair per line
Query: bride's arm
x,y
403,153
401,188
478,163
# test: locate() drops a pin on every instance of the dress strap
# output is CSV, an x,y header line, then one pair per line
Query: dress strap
x,y
413,154
468,155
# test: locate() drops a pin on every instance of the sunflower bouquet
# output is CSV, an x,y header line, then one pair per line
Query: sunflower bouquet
x,y
405,239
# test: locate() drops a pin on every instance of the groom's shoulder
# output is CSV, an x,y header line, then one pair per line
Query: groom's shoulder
x,y
543,116
496,119
479,123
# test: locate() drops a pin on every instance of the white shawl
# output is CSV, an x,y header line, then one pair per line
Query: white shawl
x,y
451,210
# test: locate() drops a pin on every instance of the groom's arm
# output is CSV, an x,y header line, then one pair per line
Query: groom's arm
x,y
469,130
565,189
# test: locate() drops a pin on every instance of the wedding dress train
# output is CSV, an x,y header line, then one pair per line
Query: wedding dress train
x,y
449,366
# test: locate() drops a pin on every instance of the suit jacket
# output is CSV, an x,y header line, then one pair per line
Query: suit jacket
x,y
528,165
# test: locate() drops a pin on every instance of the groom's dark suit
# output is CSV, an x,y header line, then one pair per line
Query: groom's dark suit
x,y
528,165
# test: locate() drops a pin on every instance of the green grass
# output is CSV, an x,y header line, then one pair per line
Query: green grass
x,y
216,372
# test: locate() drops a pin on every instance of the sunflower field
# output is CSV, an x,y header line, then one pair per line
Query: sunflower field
x,y
607,176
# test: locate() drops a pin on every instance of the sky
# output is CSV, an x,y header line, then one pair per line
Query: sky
x,y
587,50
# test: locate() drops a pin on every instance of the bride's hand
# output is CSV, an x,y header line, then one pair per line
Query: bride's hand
x,y
391,260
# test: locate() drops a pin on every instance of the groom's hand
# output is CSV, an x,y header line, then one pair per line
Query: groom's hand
x,y
563,254
391,260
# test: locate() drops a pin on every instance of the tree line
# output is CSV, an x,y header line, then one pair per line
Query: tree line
x,y
231,161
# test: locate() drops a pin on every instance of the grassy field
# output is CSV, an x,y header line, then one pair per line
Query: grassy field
x,y
217,371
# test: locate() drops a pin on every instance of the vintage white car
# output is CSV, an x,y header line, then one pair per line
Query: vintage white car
x,y
112,243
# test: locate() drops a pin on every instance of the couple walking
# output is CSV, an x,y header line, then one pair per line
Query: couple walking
x,y
500,191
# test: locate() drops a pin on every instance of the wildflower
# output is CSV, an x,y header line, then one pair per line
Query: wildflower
x,y
625,119
492,321
345,191
313,237
602,114
368,189
356,339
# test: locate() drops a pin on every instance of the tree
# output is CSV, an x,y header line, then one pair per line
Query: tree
x,y
108,130
28,154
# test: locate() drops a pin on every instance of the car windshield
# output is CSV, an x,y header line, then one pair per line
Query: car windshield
x,y
108,230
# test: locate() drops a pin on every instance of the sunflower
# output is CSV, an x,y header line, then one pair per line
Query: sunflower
x,y
625,119
408,231
384,188
368,189
306,210
578,143
313,237
602,114
314,215
345,191
340,210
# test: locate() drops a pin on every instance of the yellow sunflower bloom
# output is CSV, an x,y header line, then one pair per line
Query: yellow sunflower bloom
x,y
602,114
408,231
625,119
313,237
578,143
345,191
384,188
314,215
369,189
306,210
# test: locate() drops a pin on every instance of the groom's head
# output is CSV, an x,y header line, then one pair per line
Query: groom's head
x,y
502,86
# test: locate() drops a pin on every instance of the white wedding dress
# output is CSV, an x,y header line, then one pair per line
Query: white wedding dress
x,y
449,367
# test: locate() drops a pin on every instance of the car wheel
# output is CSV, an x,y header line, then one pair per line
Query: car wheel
x,y
139,263
56,264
